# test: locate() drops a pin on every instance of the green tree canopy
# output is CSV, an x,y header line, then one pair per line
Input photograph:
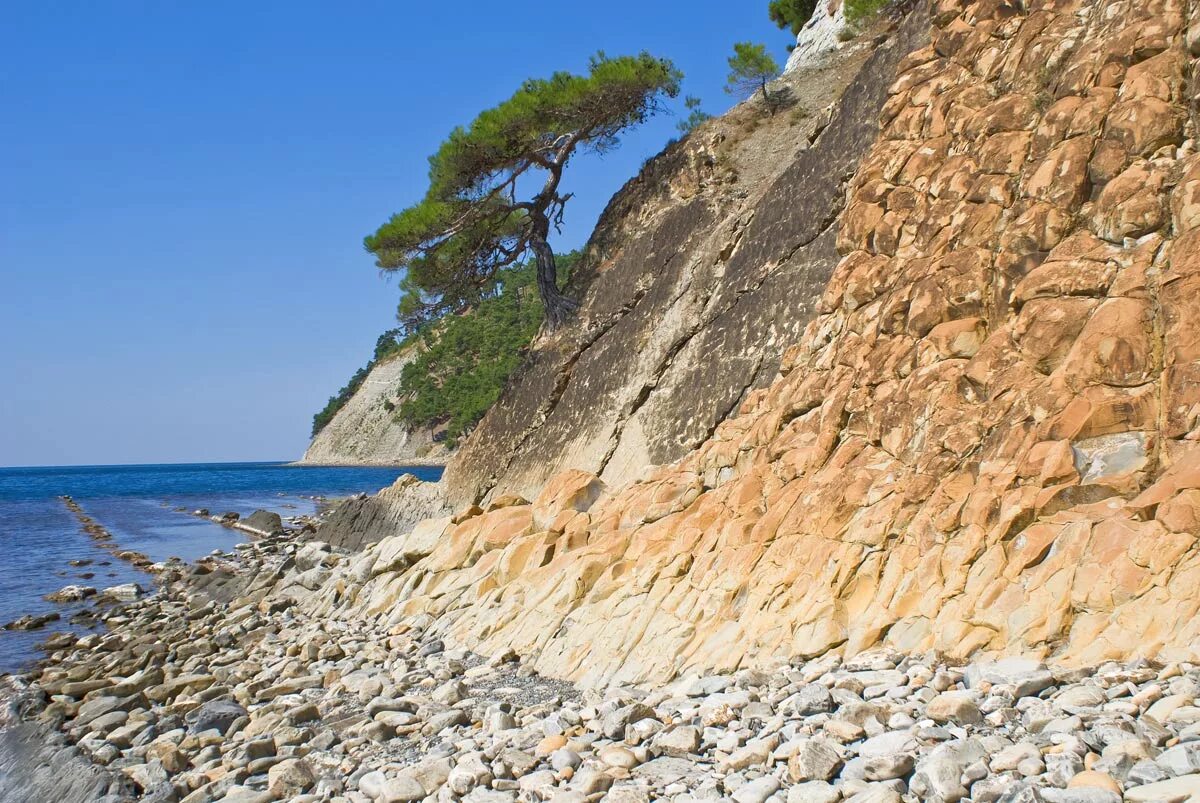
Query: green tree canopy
x,y
750,68
791,14
479,215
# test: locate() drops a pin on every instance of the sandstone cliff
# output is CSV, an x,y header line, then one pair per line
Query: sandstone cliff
x,y
699,274
984,442
365,432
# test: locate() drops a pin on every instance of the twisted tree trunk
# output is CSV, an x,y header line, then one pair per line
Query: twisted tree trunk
x,y
558,306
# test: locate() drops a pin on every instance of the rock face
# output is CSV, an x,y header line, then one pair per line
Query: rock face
x,y
821,35
721,247
985,442
365,520
364,432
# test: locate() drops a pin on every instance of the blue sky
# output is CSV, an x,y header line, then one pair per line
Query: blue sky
x,y
186,187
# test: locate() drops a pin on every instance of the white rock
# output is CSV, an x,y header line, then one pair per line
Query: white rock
x,y
757,791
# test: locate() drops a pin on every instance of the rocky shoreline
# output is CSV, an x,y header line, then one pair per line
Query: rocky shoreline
x,y
219,687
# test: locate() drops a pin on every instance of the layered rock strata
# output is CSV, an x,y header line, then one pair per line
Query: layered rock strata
x,y
365,431
984,443
367,519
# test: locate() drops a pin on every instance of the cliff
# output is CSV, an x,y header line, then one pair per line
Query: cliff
x,y
365,432
984,442
700,272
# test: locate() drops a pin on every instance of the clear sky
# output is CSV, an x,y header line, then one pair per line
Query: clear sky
x,y
184,188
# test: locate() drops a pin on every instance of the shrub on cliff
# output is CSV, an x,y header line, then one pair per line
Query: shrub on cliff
x,y
477,220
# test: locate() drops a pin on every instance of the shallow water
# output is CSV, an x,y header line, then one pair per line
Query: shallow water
x,y
138,505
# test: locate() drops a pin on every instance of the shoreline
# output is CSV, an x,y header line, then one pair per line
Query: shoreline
x,y
413,463
229,684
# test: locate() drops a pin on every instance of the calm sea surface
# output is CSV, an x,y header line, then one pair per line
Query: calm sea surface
x,y
39,536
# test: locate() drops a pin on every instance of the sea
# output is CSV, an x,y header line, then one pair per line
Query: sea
x,y
147,509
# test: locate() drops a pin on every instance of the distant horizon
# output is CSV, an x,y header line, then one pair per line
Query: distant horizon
x,y
181,231
295,463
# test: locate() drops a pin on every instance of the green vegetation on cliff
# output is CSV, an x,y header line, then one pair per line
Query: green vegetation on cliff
x,y
791,14
750,68
467,358
464,358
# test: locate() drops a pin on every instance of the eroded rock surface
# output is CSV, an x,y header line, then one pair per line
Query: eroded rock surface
x,y
984,443
700,273
365,430
364,520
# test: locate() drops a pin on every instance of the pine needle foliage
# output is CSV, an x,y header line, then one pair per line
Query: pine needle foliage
x,y
750,68
480,215
695,117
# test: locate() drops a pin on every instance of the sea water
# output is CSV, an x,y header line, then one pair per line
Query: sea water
x,y
140,506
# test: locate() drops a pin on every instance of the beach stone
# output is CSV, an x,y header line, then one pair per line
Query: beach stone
x,y
616,755
562,758
147,776
814,792
218,715
32,622
938,776
666,770
614,724
98,707
71,593
268,523
876,793
1182,759
549,744
815,759
1162,709
588,782
371,784
1080,698
812,698
1080,795
757,791
956,707
290,777
1183,788
1027,677
1010,757
885,768
755,753
680,741
889,743
625,792
1097,780
126,592
401,789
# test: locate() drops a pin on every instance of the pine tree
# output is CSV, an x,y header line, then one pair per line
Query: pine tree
x,y
475,219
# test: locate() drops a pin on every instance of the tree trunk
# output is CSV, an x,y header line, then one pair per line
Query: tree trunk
x,y
558,307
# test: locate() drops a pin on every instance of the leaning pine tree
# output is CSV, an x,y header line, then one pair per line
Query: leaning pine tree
x,y
494,187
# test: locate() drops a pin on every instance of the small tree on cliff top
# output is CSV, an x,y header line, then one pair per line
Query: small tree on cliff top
x,y
750,67
477,219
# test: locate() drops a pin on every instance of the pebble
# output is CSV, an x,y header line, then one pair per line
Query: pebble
x,y
270,694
